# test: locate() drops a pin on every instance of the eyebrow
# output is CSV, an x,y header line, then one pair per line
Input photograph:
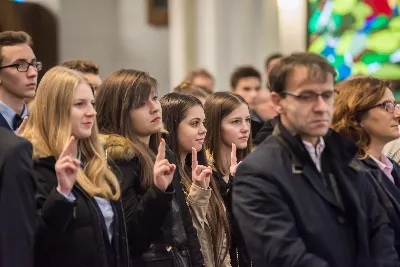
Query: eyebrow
x,y
239,118
81,99
24,60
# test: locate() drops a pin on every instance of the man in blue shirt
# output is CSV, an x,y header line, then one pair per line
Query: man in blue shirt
x,y
18,77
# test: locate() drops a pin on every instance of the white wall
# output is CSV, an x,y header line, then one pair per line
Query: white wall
x,y
216,34
113,33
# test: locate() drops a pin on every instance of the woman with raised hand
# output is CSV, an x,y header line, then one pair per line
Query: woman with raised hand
x,y
228,118
159,226
183,117
81,221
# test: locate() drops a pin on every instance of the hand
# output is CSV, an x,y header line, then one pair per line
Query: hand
x,y
201,175
163,170
234,163
22,126
67,168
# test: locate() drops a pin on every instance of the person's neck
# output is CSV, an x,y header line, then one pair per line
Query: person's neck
x,y
375,149
314,140
225,157
144,139
15,103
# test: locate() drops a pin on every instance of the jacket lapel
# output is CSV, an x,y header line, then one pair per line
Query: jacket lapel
x,y
3,123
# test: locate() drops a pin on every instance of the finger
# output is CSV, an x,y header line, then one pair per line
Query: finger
x,y
162,169
161,150
67,166
172,168
199,169
233,155
161,163
194,158
77,163
22,126
64,160
69,147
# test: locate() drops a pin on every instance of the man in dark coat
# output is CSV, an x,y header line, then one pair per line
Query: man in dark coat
x,y
17,201
301,198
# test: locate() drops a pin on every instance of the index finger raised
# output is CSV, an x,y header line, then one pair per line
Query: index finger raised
x,y
233,155
161,150
68,148
194,158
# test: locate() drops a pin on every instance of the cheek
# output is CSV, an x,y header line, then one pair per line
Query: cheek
x,y
228,133
186,137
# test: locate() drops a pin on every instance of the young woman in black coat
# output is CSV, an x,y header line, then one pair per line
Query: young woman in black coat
x,y
228,119
159,226
81,221
366,112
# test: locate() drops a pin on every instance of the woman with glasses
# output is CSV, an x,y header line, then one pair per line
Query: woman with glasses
x,y
365,111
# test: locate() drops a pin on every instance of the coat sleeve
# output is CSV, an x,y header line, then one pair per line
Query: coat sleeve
x,y
144,213
17,206
380,233
266,222
198,201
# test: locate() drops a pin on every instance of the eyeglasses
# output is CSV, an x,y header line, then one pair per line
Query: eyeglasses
x,y
24,66
312,97
389,106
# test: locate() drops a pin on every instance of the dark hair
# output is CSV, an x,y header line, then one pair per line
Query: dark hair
x,y
317,67
84,66
243,72
121,92
216,108
11,38
174,109
272,57
189,89
356,96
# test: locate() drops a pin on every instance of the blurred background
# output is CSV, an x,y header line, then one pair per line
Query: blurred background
x,y
170,38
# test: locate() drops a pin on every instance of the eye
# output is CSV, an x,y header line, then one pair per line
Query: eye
x,y
195,123
141,104
248,120
236,121
79,104
327,95
305,96
155,98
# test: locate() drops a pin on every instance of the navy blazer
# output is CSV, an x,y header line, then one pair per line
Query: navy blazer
x,y
3,123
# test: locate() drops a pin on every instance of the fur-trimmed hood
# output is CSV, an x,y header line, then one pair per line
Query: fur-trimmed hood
x,y
117,147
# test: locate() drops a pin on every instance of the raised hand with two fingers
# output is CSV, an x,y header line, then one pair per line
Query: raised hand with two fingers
x,y
201,175
234,162
67,167
163,170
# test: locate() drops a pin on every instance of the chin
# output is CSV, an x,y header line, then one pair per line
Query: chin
x,y
83,135
241,145
198,148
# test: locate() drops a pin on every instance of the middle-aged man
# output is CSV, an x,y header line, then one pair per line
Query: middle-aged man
x,y
18,77
301,198
17,201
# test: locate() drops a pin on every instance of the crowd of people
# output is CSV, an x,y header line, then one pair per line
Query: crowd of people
x,y
104,173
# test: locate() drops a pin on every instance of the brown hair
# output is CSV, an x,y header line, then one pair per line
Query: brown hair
x,y
317,67
243,72
217,107
355,97
198,72
271,57
11,38
174,108
84,66
121,92
189,89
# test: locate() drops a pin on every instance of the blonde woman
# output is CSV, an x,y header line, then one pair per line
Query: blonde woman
x,y
81,221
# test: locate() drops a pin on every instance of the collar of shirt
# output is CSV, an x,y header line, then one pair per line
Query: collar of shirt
x,y
315,151
9,114
385,165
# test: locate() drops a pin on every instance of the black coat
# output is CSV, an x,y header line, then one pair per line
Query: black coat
x,y
388,194
149,212
74,233
290,218
238,252
17,201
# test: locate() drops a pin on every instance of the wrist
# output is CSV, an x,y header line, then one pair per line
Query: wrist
x,y
63,191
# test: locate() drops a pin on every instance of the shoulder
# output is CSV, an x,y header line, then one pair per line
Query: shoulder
x,y
9,142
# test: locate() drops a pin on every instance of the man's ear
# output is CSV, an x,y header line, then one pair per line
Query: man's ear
x,y
277,99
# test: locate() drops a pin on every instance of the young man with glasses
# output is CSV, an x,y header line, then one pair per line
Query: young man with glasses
x,y
301,198
18,77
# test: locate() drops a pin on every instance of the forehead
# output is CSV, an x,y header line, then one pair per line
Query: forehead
x,y
240,111
83,91
13,53
304,78
93,79
195,112
249,82
388,96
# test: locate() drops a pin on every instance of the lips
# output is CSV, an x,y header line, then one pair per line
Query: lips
x,y
200,140
244,138
87,123
156,119
31,84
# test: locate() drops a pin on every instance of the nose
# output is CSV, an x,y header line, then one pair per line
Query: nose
x,y
396,113
154,106
32,71
91,112
245,127
203,129
321,105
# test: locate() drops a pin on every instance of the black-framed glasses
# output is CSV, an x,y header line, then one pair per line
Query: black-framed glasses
x,y
24,66
389,106
312,97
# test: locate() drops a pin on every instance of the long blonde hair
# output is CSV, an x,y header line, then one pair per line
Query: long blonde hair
x,y
49,129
